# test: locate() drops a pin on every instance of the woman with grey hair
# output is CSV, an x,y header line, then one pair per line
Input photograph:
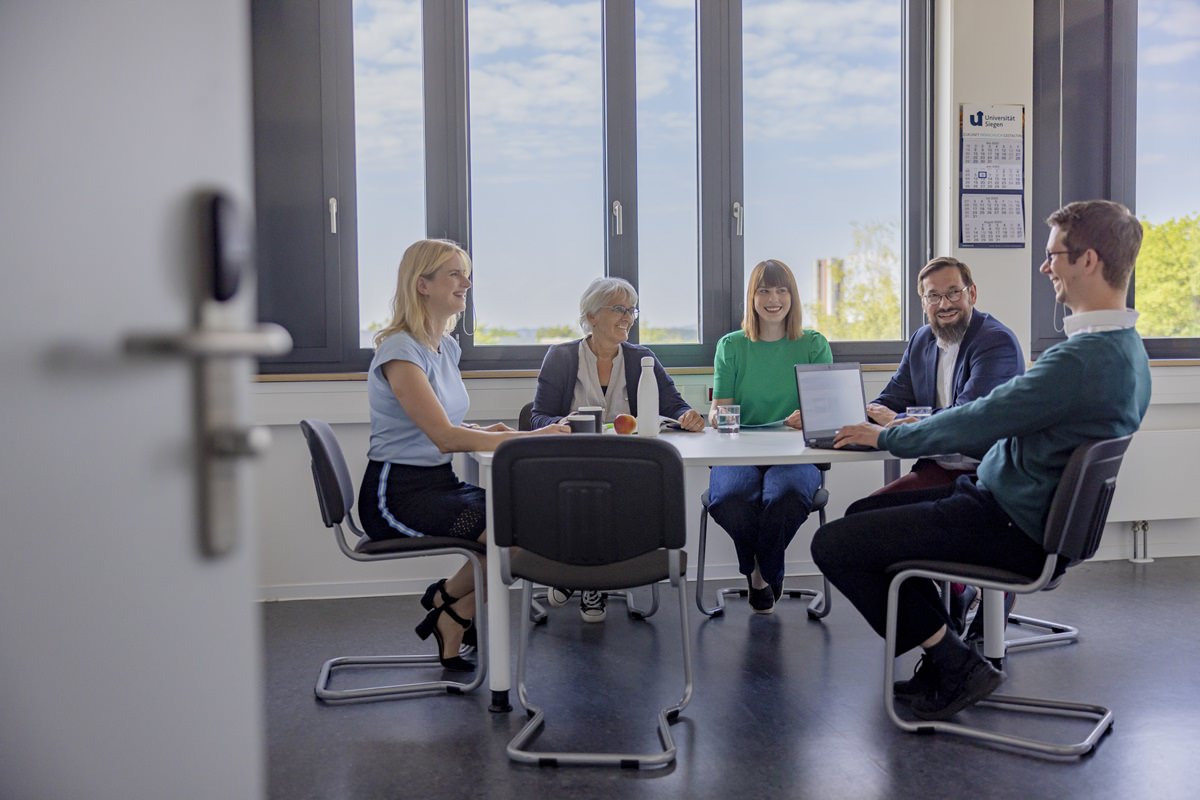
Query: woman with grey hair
x,y
602,369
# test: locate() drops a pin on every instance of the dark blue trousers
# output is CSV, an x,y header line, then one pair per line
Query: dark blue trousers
x,y
761,508
960,522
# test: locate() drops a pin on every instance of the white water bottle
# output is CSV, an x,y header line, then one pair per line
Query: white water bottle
x,y
647,399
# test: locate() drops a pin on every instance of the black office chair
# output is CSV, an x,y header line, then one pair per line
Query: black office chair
x,y
818,607
537,611
335,495
590,512
1072,534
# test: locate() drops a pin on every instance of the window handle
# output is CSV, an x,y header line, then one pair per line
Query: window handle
x,y
333,215
616,212
739,216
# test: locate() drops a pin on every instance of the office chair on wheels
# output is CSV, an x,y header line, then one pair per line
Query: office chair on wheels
x,y
335,495
821,602
1072,534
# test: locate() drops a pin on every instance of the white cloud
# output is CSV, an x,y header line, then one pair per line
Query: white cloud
x,y
1171,54
387,33
868,26
1169,17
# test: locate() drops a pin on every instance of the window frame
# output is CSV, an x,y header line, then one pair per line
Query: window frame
x,y
448,171
1074,159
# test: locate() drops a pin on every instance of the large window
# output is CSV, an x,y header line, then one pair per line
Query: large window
x,y
537,165
1168,173
671,143
1117,105
389,151
668,244
822,125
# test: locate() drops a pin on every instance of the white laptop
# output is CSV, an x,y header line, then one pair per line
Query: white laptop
x,y
831,395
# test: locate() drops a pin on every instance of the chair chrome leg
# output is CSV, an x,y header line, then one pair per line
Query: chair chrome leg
x,y
516,748
1100,716
1056,633
631,607
390,692
719,608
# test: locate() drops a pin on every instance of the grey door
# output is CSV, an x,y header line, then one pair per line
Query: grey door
x,y
129,660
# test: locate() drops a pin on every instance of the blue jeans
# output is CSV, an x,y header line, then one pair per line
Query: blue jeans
x,y
761,508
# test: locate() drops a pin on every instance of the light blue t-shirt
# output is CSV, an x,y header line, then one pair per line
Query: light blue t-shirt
x,y
394,435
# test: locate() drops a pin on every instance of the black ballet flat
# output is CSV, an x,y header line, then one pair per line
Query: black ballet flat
x,y
429,626
470,637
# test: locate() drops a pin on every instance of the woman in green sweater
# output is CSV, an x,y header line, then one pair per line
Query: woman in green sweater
x,y
762,507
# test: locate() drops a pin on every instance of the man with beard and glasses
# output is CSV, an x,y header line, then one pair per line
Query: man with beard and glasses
x,y
961,355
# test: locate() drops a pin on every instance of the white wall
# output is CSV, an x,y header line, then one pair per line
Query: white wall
x,y
985,55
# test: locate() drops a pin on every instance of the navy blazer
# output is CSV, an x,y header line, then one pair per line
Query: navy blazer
x,y
560,369
988,356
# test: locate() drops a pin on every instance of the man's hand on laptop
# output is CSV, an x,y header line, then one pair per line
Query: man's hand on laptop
x,y
879,413
860,433
794,420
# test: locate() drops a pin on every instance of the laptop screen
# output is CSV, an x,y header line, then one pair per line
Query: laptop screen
x,y
831,395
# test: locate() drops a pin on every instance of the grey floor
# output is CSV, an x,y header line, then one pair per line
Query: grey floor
x,y
783,706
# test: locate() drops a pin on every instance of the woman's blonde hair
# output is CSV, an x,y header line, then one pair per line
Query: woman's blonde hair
x,y
770,274
421,260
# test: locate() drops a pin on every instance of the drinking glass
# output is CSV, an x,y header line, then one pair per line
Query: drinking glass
x,y
729,419
919,412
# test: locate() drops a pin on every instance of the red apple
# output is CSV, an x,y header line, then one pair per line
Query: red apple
x,y
625,423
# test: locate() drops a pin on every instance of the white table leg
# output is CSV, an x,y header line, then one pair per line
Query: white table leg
x,y
499,646
994,624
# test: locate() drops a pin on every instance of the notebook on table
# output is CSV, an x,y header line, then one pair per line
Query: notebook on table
x,y
831,395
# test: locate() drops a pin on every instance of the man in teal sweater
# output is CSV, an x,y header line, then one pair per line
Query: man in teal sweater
x,y
1094,385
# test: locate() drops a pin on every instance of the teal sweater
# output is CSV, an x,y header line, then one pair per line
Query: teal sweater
x,y
1092,386
761,376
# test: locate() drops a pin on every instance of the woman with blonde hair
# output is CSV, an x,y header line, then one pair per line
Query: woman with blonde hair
x,y
418,403
762,507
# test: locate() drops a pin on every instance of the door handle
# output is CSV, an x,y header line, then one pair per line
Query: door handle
x,y
217,348
267,339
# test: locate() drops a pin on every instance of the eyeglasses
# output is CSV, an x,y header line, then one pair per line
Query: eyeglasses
x,y
935,299
1050,254
622,311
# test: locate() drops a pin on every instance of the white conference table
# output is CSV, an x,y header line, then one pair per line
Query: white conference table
x,y
707,449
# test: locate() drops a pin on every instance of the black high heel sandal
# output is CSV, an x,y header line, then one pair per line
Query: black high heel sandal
x,y
470,637
429,626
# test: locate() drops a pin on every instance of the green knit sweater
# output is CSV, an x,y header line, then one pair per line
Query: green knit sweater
x,y
1092,386
761,376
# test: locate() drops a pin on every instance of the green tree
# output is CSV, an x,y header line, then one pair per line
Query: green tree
x,y
651,335
489,334
553,334
866,282
1168,278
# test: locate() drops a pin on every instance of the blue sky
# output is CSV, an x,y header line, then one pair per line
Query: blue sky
x,y
821,116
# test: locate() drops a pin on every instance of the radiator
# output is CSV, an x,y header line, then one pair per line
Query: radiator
x,y
1158,478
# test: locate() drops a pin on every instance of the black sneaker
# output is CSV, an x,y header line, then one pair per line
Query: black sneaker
x,y
591,606
762,600
924,681
777,590
557,598
975,681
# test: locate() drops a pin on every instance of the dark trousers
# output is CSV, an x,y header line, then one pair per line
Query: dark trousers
x,y
960,522
925,474
761,508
